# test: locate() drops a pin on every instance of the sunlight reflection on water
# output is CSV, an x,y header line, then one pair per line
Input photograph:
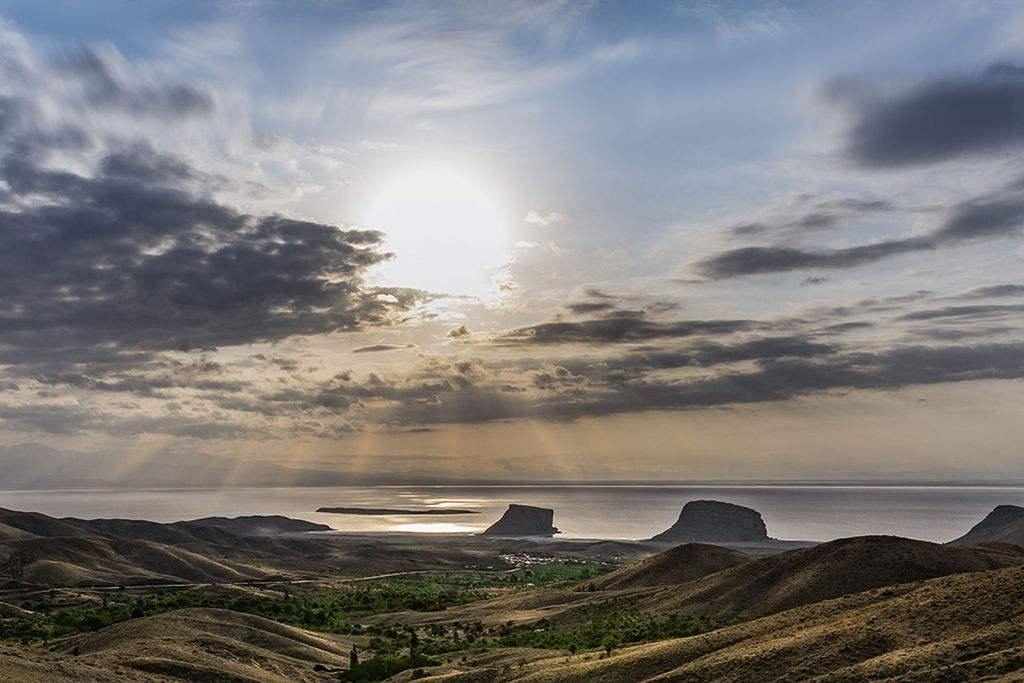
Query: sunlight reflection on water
x,y
435,528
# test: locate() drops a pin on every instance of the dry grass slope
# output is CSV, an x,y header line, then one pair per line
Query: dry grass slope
x,y
674,566
957,628
809,575
212,645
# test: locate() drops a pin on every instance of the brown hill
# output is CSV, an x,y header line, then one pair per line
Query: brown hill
x,y
88,561
38,549
1004,524
809,575
964,627
33,665
212,645
677,565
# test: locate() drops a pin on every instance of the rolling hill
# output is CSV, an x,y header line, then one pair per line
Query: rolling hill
x,y
677,565
830,570
953,628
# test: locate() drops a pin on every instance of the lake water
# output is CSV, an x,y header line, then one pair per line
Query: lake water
x,y
621,512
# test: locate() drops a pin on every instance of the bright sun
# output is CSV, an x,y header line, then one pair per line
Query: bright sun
x,y
446,228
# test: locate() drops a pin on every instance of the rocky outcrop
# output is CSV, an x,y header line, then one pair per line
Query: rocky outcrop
x,y
1005,523
712,521
260,525
524,520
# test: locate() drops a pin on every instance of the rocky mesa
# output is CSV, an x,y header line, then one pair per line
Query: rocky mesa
x,y
712,521
524,520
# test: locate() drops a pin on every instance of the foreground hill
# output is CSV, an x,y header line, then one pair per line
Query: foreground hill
x,y
677,565
954,628
809,575
1004,524
186,645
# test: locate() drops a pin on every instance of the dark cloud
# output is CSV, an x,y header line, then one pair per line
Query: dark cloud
x,y
980,311
771,380
846,327
996,215
992,292
959,333
382,347
933,122
814,213
993,215
706,354
856,205
619,326
138,262
590,306
780,259
814,280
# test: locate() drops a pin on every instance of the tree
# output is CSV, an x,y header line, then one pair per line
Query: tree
x,y
414,644
353,657
609,643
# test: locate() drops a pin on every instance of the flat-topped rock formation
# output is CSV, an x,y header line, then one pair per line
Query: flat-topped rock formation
x,y
524,520
260,525
712,521
1005,523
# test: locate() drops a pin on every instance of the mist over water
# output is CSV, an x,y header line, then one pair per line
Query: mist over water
x,y
619,512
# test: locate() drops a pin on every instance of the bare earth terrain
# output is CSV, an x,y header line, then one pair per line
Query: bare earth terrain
x,y
262,599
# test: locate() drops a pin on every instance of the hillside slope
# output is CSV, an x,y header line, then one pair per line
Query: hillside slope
x,y
955,628
1004,524
213,645
809,575
677,565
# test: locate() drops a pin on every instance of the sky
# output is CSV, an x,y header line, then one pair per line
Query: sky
x,y
530,241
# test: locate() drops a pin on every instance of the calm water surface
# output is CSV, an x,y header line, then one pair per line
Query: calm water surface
x,y
622,512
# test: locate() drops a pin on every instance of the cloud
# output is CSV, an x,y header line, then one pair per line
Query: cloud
x,y
375,348
543,220
804,214
590,306
772,379
933,121
780,259
993,215
103,86
619,326
981,311
143,263
992,291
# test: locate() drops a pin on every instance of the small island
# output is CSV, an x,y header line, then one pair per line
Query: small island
x,y
392,511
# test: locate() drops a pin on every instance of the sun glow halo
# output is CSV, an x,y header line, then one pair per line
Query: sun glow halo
x,y
446,228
